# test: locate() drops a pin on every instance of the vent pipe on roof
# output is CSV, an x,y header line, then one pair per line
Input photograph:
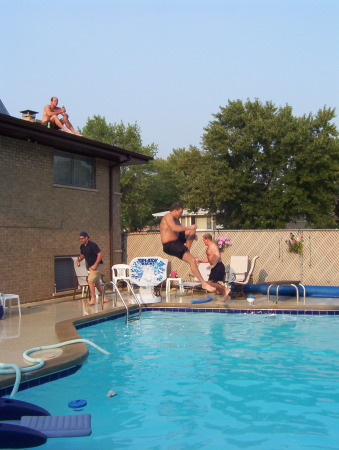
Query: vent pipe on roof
x,y
29,115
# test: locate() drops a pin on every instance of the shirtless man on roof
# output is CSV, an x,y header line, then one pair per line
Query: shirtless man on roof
x,y
51,113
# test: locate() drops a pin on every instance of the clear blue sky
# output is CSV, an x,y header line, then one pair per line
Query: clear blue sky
x,y
168,64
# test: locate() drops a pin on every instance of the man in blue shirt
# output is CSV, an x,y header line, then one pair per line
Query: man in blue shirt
x,y
91,252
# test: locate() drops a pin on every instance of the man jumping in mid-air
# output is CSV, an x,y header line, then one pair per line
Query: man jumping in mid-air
x,y
177,241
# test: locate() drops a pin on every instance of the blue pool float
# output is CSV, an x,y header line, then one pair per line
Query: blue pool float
x,y
17,436
11,409
30,425
204,300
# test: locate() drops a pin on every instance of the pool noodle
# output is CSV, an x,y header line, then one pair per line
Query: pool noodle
x,y
204,300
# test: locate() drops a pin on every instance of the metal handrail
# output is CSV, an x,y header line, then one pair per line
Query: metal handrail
x,y
135,297
116,290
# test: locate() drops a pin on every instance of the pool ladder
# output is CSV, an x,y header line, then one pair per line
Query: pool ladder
x,y
117,292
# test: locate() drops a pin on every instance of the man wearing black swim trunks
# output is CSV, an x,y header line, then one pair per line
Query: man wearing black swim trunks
x,y
216,265
177,241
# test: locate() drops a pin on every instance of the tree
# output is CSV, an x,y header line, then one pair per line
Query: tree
x,y
261,166
136,210
146,189
165,182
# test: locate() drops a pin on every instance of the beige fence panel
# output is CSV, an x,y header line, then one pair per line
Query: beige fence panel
x,y
318,264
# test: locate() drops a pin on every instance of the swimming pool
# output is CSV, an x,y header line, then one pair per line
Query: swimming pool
x,y
191,381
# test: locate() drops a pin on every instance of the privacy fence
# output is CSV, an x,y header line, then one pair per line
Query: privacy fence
x,y
317,265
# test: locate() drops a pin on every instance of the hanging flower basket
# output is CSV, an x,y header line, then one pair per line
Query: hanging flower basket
x,y
295,244
223,242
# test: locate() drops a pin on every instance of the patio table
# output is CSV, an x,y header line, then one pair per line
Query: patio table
x,y
168,284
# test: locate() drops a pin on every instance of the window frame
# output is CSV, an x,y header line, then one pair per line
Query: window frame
x,y
73,159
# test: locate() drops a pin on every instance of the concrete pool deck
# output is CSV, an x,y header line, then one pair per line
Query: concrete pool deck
x,y
52,321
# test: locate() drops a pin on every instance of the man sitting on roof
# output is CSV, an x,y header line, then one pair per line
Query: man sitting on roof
x,y
50,115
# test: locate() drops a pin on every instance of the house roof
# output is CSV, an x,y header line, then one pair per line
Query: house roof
x,y
186,212
3,109
35,132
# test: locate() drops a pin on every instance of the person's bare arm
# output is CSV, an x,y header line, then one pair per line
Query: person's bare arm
x,y
99,258
80,258
205,260
48,111
214,259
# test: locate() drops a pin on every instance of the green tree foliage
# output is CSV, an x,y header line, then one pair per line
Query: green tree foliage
x,y
261,167
136,205
146,188
165,182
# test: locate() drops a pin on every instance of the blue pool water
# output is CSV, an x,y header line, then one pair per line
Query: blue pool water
x,y
205,381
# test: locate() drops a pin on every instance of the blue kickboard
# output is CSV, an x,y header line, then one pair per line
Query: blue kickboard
x,y
59,426
204,300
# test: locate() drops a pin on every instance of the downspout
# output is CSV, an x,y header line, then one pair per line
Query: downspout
x,y
111,204
110,220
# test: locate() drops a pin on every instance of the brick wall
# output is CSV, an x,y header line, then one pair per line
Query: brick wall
x,y
39,221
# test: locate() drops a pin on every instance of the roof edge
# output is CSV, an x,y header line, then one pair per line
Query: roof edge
x,y
35,132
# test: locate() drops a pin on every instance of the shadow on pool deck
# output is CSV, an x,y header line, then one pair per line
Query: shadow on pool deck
x,y
52,321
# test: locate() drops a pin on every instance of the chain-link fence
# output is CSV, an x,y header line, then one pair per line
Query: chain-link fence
x,y
317,265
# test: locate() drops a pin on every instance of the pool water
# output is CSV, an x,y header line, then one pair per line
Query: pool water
x,y
205,381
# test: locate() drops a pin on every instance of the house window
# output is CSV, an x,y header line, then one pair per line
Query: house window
x,y
201,223
73,170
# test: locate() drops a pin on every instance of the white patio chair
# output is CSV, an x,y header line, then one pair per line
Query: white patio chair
x,y
81,277
8,298
240,274
238,269
121,272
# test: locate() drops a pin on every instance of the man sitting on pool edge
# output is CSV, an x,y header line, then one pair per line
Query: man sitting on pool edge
x,y
177,241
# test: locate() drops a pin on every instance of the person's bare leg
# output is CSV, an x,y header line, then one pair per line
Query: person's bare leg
x,y
227,296
59,124
188,258
190,237
98,286
221,290
91,286
68,125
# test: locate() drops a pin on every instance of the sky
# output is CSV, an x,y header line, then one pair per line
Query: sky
x,y
168,65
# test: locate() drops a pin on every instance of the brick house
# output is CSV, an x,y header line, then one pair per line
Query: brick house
x,y
54,185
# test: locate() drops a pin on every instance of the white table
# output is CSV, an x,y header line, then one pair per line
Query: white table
x,y
168,284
